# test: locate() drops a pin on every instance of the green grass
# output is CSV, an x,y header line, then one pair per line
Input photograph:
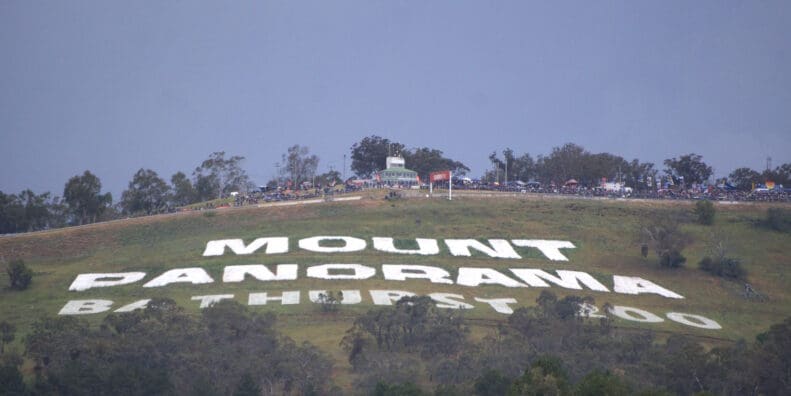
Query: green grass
x,y
604,233
212,203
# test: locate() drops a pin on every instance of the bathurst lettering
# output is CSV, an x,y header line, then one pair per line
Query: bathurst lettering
x,y
501,305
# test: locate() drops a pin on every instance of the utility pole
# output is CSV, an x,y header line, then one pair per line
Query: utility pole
x,y
344,168
506,171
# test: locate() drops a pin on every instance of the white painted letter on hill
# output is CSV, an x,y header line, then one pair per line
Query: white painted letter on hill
x,y
357,271
426,247
484,276
350,244
237,273
446,300
636,285
273,246
565,279
550,249
196,276
500,248
89,281
404,272
388,297
83,307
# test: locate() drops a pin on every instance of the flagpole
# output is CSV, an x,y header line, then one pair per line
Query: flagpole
x,y
450,185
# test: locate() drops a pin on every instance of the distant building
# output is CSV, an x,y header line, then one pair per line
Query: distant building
x,y
397,174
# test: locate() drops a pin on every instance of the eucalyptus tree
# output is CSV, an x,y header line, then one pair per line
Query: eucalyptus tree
x,y
218,176
147,194
84,200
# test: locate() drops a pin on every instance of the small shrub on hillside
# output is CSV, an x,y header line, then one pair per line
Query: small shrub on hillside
x,y
779,219
545,376
705,211
707,264
7,334
726,267
602,383
664,235
330,301
19,275
672,259
492,382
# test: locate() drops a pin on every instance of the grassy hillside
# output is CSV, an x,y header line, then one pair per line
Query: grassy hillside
x,y
604,233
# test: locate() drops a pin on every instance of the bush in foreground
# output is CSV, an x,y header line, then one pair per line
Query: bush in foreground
x,y
164,350
672,259
19,275
726,267
664,235
705,211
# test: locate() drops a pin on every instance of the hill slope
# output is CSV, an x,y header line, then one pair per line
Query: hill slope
x,y
604,235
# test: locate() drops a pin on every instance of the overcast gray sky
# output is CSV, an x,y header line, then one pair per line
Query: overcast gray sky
x,y
114,86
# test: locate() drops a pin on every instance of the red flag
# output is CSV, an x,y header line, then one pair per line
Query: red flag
x,y
439,176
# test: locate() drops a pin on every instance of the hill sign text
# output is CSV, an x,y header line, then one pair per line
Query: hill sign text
x,y
513,277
